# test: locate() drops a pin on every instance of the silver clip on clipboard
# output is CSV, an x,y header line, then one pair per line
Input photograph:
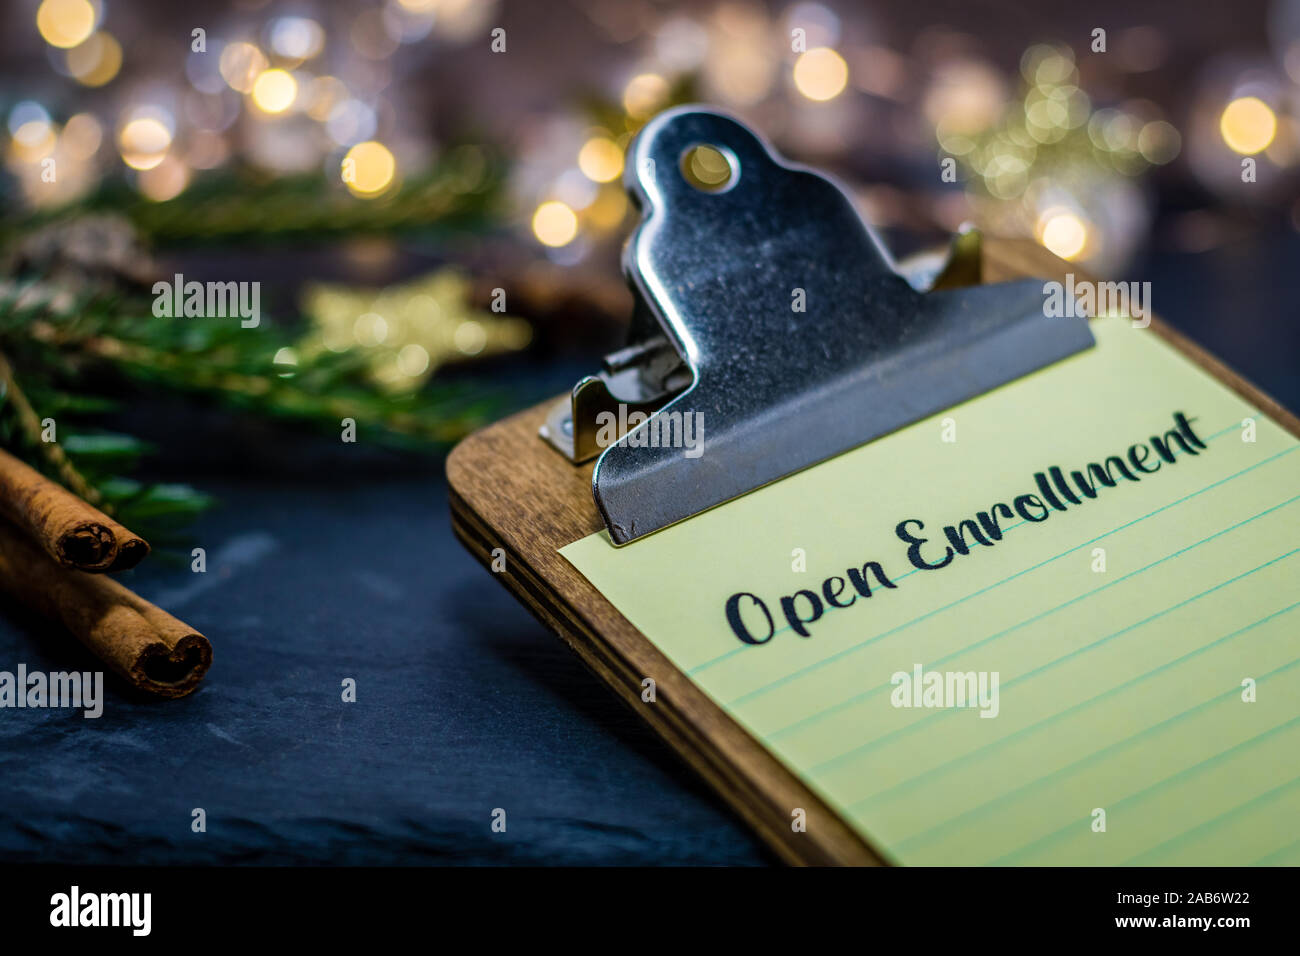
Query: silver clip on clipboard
x,y
717,334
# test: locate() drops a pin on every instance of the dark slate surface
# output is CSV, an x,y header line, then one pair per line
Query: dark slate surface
x,y
464,704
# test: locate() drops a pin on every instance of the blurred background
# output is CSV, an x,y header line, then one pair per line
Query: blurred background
x,y
490,136
381,167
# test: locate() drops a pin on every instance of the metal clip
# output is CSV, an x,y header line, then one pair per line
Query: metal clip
x,y
770,312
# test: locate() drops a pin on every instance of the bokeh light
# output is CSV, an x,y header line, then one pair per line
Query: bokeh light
x,y
368,169
470,337
274,91
1063,233
609,209
1159,142
65,23
241,64
821,74
740,68
370,329
965,98
645,95
1248,125
95,62
600,159
82,135
166,180
412,359
144,139
32,131
555,224
296,38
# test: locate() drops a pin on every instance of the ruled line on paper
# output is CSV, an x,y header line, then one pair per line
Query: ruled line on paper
x,y
1276,857
969,647
941,828
816,665
1161,849
727,655
1181,774
858,698
871,745
1052,718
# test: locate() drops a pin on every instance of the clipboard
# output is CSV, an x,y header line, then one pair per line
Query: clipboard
x,y
515,502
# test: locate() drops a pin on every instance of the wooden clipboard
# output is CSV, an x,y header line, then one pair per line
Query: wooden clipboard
x,y
509,490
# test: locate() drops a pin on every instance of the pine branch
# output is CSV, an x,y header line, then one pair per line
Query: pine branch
x,y
458,194
75,322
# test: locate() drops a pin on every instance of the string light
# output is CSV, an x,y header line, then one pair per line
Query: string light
x,y
470,337
645,95
65,23
82,135
370,329
96,61
1063,233
555,224
144,140
34,136
412,359
241,64
609,209
166,180
821,74
1248,125
1011,149
274,90
296,38
600,159
739,68
368,169
1159,142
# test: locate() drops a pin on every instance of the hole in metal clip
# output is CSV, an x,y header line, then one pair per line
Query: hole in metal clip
x,y
708,168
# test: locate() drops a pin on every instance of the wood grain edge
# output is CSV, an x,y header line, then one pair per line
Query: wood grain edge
x,y
689,746
747,776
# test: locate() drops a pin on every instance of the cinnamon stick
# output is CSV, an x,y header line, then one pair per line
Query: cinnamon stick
x,y
139,641
74,533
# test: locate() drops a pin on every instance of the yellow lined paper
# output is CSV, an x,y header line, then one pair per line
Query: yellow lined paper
x,y
1119,690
